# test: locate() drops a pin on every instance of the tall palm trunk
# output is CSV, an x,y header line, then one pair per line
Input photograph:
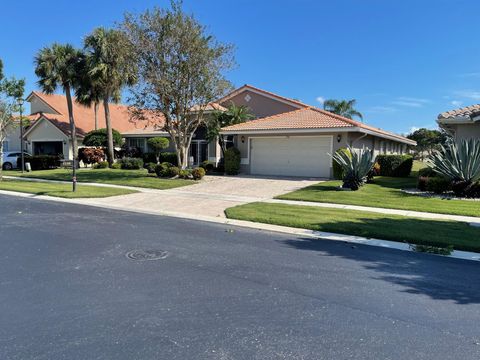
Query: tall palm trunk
x,y
106,107
73,132
95,109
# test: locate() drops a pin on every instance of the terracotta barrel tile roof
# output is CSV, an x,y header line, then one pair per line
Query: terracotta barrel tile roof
x,y
466,111
84,116
308,118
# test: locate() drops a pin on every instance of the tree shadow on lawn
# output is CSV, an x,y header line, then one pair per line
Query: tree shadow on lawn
x,y
439,278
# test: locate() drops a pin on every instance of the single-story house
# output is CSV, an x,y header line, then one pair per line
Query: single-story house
x,y
294,139
462,123
286,137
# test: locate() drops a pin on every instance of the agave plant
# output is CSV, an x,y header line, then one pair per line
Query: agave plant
x,y
356,165
459,162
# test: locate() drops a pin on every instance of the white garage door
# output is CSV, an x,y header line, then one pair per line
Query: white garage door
x,y
291,156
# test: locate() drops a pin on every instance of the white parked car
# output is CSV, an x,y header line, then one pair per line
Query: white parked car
x,y
10,159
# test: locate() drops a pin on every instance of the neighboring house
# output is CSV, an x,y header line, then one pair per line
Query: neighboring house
x,y
49,130
294,139
287,137
463,123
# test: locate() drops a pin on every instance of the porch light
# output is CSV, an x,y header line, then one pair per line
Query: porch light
x,y
339,137
242,139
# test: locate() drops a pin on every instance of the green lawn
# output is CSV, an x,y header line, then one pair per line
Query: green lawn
x,y
361,223
139,178
61,190
385,192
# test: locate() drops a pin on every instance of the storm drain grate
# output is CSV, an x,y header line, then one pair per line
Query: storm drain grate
x,y
144,255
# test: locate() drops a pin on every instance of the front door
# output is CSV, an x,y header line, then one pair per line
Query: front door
x,y
198,151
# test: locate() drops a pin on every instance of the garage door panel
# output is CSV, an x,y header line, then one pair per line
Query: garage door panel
x,y
291,156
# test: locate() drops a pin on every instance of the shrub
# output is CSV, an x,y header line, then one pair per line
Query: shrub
x,y
99,138
207,166
459,162
149,157
173,171
161,170
40,162
232,161
101,165
422,183
129,152
198,173
438,184
90,155
395,165
355,166
116,166
427,172
131,163
158,144
170,157
151,167
337,168
185,174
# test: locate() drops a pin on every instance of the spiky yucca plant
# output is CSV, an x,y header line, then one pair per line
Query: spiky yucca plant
x,y
459,162
356,166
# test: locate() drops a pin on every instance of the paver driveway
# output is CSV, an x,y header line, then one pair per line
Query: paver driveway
x,y
209,197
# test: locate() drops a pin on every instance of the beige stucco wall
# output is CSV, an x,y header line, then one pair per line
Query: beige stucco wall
x,y
13,139
340,140
466,131
259,105
45,131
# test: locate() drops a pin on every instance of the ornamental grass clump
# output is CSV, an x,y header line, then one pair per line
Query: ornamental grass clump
x,y
460,163
356,166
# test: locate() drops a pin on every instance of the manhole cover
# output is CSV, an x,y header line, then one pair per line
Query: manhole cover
x,y
143,255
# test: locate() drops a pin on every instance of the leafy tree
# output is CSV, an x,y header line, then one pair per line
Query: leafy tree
x,y
100,138
220,119
345,108
6,124
158,144
180,72
59,66
109,69
427,141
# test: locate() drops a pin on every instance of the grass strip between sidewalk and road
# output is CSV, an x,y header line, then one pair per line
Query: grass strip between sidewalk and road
x,y
137,178
439,233
61,190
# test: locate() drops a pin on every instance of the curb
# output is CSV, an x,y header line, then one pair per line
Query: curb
x,y
457,254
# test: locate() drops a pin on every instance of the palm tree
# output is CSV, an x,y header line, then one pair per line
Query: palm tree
x,y
58,66
88,93
110,68
345,108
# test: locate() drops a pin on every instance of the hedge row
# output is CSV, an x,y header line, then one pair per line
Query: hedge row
x,y
40,162
395,165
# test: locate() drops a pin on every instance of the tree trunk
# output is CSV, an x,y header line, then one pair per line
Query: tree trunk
x,y
110,155
95,109
73,132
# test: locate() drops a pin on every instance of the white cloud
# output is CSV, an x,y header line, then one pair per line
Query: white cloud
x,y
456,102
471,75
410,101
381,109
469,94
321,99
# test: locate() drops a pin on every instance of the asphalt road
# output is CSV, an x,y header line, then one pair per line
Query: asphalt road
x,y
68,291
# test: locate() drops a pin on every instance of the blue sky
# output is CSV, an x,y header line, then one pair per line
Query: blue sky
x,y
404,61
